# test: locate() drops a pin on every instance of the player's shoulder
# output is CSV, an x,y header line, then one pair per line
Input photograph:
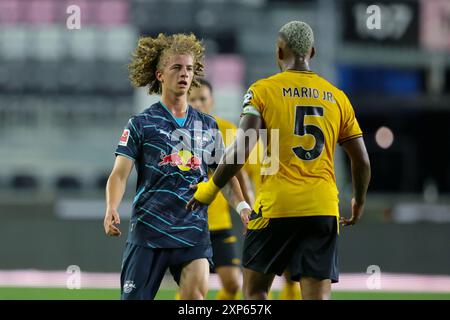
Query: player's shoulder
x,y
326,84
204,118
225,124
270,82
152,113
263,82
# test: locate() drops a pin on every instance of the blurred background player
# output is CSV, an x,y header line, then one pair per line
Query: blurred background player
x,y
290,290
296,225
163,234
227,263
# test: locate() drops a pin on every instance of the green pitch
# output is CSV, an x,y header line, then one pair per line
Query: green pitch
x,y
113,294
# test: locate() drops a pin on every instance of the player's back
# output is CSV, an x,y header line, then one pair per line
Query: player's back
x,y
311,117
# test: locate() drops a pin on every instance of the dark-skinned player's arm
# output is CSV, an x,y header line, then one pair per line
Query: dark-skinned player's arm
x,y
229,166
231,191
233,194
115,189
246,185
360,165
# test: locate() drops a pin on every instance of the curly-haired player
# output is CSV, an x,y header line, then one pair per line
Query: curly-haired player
x,y
172,147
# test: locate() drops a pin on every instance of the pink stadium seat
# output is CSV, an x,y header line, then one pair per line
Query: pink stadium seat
x,y
112,12
40,11
9,12
226,70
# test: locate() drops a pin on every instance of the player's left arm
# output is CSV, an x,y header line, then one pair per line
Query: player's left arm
x,y
360,167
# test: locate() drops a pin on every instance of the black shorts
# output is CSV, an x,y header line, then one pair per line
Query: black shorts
x,y
224,249
143,268
308,246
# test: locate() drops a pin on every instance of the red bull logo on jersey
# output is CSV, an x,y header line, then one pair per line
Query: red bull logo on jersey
x,y
182,159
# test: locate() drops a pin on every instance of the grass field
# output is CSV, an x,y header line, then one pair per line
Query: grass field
x,y
113,294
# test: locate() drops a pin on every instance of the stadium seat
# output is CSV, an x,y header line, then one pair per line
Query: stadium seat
x,y
75,75
112,12
150,15
87,76
47,43
84,45
9,12
13,42
24,182
68,182
115,78
42,12
101,181
45,76
118,43
13,76
29,76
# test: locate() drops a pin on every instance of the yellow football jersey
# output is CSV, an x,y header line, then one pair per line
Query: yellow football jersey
x,y
310,116
219,211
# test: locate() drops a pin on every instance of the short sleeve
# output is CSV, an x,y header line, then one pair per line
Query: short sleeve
x,y
349,125
130,142
253,102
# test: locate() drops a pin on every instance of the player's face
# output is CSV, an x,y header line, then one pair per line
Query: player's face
x,y
201,99
176,77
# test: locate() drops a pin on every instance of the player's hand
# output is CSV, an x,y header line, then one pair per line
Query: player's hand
x,y
205,193
357,210
111,220
245,217
193,203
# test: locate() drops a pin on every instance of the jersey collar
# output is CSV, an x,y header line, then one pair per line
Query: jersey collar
x,y
301,71
172,118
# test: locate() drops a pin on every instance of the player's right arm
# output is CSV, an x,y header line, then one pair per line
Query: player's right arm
x,y
115,189
360,164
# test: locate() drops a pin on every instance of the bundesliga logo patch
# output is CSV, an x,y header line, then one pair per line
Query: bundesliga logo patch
x,y
124,138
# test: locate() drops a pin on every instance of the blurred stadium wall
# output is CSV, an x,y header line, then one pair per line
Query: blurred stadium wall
x,y
64,98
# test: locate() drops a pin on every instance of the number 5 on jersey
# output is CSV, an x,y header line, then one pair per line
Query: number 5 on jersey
x,y
300,129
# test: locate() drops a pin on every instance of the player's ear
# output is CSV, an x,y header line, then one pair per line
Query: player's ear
x,y
313,52
159,75
280,53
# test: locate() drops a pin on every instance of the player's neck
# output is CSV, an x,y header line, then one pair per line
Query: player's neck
x,y
176,104
297,65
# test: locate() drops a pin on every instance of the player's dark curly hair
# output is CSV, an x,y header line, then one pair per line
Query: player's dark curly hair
x,y
151,54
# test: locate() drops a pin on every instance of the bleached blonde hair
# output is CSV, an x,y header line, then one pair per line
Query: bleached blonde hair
x,y
299,37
